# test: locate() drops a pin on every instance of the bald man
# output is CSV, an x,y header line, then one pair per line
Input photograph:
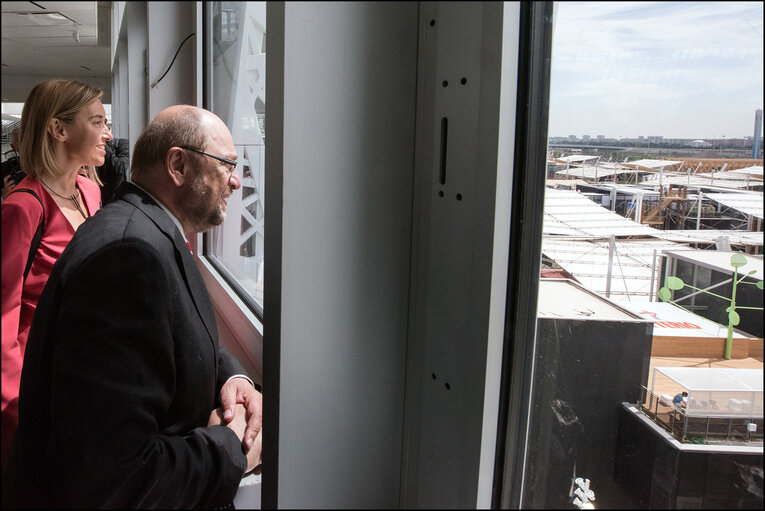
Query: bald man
x,y
127,400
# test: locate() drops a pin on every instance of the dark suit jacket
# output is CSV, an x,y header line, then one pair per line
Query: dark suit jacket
x,y
115,168
121,371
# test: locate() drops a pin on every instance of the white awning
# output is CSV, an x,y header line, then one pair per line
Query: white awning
x,y
652,164
715,378
747,203
568,212
755,171
587,260
719,260
710,236
594,171
718,180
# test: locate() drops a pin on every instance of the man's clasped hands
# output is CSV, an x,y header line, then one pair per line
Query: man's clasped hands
x,y
242,410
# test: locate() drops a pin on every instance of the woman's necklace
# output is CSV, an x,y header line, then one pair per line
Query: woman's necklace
x,y
72,198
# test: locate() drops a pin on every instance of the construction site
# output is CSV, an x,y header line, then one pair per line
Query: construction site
x,y
706,199
620,229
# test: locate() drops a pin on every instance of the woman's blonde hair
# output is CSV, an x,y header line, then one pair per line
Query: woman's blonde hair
x,y
51,99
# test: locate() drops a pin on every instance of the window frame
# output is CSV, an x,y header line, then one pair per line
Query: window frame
x,y
241,314
531,132
246,327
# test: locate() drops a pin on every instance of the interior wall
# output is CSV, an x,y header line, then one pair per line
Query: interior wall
x,y
171,58
341,187
119,77
387,260
137,44
147,75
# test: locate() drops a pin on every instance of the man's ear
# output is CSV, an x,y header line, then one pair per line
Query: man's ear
x,y
57,130
177,165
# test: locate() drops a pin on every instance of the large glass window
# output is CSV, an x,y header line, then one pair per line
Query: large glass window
x,y
235,89
667,92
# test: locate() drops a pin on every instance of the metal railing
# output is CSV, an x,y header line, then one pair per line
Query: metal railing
x,y
699,429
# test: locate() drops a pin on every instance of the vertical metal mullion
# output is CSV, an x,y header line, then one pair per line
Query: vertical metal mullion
x,y
273,218
207,82
534,52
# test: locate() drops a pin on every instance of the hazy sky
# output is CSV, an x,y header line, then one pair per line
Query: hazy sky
x,y
672,69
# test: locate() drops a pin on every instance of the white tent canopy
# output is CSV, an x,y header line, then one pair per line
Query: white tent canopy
x,y
718,391
576,158
652,164
595,171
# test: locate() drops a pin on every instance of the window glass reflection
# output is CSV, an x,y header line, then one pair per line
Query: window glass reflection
x,y
237,68
652,106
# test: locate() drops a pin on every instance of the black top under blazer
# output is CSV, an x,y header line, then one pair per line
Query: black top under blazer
x,y
121,371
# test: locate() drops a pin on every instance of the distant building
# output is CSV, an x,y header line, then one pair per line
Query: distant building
x,y
699,143
711,269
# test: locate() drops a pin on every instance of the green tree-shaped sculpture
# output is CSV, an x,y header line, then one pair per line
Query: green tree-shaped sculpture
x,y
736,261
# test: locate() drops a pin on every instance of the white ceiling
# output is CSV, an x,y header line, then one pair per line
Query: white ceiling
x,y
40,40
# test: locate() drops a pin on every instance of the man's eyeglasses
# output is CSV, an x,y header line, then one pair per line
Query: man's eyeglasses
x,y
232,163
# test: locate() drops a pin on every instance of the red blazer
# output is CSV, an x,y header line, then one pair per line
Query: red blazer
x,y
20,216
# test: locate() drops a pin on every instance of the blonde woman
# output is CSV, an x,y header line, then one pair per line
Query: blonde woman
x,y
63,129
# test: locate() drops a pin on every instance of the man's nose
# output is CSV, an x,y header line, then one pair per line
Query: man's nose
x,y
234,180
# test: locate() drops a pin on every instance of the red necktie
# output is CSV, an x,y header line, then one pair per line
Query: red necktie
x,y
189,245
